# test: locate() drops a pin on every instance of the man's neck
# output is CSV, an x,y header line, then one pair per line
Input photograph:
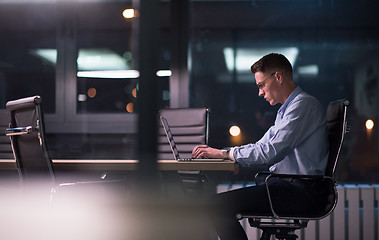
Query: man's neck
x,y
287,90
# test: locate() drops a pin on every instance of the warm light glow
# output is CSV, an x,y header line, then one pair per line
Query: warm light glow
x,y
369,124
91,92
129,13
234,131
130,107
134,92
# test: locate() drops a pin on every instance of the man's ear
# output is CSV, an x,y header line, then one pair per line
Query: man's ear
x,y
279,77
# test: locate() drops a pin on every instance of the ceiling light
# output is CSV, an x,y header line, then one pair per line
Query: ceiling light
x,y
109,74
100,59
309,70
245,57
164,73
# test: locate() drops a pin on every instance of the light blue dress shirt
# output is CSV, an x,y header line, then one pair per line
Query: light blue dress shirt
x,y
296,144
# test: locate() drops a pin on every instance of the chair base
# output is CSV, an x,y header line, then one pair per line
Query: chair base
x,y
290,235
281,230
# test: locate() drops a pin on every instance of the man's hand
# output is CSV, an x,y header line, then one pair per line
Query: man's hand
x,y
204,151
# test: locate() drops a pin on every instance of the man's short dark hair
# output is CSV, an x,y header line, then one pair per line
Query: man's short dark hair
x,y
271,61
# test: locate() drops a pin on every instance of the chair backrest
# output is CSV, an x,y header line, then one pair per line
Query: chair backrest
x,y
27,134
337,128
189,127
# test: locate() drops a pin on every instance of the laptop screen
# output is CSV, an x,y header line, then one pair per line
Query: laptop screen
x,y
170,138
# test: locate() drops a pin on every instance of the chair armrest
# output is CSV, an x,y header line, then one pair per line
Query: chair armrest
x,y
288,177
20,130
268,175
260,177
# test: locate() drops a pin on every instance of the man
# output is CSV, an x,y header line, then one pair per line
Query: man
x,y
296,144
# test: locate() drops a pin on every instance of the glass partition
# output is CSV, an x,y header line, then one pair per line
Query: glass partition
x,y
80,56
107,59
28,53
333,47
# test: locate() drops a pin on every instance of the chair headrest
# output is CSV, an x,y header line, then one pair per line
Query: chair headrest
x,y
335,110
24,103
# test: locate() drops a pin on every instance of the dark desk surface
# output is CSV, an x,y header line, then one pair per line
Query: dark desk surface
x,y
126,165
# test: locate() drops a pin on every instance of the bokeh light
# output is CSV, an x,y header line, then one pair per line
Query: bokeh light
x,y
130,107
134,92
234,131
91,92
129,13
369,124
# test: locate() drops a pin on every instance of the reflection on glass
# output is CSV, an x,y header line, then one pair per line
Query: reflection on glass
x,y
334,56
28,69
242,59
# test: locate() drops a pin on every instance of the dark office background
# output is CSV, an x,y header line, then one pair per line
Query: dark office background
x,y
51,48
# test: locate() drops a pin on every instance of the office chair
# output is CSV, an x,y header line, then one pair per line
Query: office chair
x,y
5,143
8,178
189,127
337,128
27,133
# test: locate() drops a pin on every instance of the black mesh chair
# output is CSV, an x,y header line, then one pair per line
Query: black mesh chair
x,y
27,134
189,127
5,143
8,178
285,225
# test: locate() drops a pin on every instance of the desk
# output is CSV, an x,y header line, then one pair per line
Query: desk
x,y
126,165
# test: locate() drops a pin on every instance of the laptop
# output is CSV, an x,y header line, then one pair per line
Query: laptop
x,y
175,151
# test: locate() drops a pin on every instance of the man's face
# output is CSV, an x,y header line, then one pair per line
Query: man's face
x,y
268,86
